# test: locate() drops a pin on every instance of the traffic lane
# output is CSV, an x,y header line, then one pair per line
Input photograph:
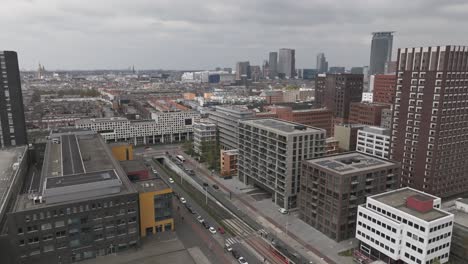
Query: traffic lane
x,y
244,252
200,211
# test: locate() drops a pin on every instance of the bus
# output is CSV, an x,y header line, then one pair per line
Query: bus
x,y
180,158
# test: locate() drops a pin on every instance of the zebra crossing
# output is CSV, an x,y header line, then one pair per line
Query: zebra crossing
x,y
240,230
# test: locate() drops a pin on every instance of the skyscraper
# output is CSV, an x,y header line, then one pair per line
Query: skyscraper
x,y
430,119
273,65
381,51
12,124
287,63
322,63
242,70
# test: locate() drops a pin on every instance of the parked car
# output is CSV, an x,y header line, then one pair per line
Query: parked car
x,y
235,254
283,211
171,180
212,230
200,219
215,186
205,184
221,230
228,247
242,260
182,200
206,224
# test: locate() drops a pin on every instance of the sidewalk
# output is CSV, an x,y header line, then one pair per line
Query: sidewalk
x,y
293,231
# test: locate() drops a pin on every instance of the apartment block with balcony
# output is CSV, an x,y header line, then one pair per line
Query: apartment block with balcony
x,y
332,187
270,155
204,135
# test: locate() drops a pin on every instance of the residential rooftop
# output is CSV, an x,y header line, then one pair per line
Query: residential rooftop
x,y
398,200
282,127
377,130
350,162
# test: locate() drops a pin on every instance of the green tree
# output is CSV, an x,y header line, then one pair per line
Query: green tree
x,y
188,147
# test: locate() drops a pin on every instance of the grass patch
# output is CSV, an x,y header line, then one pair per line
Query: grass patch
x,y
346,253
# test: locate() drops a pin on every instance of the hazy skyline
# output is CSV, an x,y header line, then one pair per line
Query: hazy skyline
x,y
184,34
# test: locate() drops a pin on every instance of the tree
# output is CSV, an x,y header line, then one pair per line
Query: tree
x,y
188,147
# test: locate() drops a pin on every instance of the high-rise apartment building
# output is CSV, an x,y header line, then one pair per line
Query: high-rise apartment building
x,y
384,88
337,91
12,122
381,51
243,70
273,65
332,187
270,155
403,226
227,120
287,63
322,63
430,119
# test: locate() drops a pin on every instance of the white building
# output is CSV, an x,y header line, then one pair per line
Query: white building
x,y
203,132
374,141
403,225
166,127
367,97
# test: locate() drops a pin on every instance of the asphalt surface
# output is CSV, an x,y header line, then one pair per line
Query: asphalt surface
x,y
71,158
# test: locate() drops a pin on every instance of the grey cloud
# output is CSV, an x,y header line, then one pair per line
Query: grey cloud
x,y
182,34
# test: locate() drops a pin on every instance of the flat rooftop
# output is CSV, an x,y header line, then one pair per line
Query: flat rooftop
x,y
150,185
8,157
282,127
234,108
350,162
397,199
133,165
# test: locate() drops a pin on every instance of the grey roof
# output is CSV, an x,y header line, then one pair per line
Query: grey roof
x,y
282,127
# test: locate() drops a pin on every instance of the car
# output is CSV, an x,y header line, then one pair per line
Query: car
x,y
182,200
171,180
221,230
228,247
155,171
205,184
200,219
215,186
283,211
206,224
242,260
212,230
235,254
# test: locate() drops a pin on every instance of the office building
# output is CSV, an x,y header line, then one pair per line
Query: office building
x,y
204,136
273,65
374,141
357,70
322,63
429,132
381,52
287,63
82,205
390,67
337,91
386,119
336,69
270,155
384,88
403,226
346,134
243,70
12,122
164,128
366,113
332,188
459,247
255,73
229,163
309,74
227,118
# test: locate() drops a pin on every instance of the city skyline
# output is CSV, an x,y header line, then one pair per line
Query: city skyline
x,y
155,35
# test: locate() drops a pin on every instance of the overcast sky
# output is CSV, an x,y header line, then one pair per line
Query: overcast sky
x,y
204,34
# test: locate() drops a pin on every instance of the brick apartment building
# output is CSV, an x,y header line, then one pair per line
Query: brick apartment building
x,y
384,88
366,113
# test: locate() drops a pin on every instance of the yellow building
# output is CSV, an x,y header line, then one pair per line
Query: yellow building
x,y
155,199
122,151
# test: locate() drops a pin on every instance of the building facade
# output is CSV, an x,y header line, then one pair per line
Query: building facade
x,y
384,88
287,63
322,63
229,162
366,113
374,141
381,52
346,134
337,91
243,70
273,65
386,120
430,119
227,119
12,122
270,154
164,128
332,188
403,226
204,135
